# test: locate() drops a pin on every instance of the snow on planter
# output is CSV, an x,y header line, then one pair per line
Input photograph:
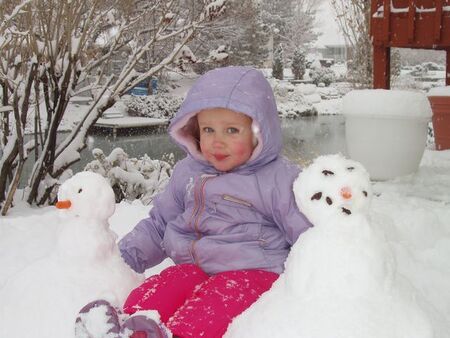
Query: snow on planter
x,y
386,130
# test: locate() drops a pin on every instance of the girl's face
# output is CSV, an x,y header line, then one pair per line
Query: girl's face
x,y
226,138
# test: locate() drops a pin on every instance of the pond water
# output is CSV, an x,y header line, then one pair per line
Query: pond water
x,y
303,138
306,138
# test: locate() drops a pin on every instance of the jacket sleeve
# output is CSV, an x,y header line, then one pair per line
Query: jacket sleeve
x,y
142,247
279,199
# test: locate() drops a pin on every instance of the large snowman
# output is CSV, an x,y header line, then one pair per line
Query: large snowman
x,y
340,279
85,265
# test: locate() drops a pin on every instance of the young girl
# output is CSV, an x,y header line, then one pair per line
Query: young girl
x,y
227,217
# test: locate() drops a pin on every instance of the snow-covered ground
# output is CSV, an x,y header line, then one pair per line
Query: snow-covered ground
x,y
413,213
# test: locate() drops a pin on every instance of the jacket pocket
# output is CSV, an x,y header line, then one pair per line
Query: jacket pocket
x,y
236,215
236,200
233,206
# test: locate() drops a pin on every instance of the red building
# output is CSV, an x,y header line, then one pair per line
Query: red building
x,y
421,24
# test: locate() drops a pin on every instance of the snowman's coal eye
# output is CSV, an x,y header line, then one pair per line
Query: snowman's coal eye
x,y
329,200
346,211
351,168
316,196
327,172
79,191
365,193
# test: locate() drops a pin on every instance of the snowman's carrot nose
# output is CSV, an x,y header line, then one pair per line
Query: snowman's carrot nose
x,y
346,193
63,204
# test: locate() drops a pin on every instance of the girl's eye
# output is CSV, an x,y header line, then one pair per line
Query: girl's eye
x,y
207,130
232,130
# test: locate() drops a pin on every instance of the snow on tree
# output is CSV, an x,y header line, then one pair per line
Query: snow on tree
x,y
278,15
301,30
353,17
241,31
54,50
277,65
298,64
291,22
250,47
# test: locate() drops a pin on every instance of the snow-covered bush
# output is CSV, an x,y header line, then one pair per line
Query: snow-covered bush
x,y
322,75
277,66
157,106
418,70
432,66
132,178
407,82
298,65
292,100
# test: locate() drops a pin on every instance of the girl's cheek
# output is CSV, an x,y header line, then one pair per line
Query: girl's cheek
x,y
241,149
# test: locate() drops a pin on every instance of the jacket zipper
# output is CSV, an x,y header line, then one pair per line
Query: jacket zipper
x,y
195,206
199,207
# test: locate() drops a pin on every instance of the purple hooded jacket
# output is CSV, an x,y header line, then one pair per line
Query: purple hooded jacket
x,y
243,219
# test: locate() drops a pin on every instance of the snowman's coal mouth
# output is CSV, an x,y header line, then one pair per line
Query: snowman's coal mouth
x,y
346,211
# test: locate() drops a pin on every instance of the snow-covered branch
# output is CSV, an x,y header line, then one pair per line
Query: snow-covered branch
x,y
71,47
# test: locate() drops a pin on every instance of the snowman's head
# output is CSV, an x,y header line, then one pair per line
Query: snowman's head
x,y
332,186
87,195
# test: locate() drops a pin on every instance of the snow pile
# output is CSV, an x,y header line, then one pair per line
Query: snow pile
x,y
119,109
294,101
418,226
341,278
84,265
387,103
218,55
412,213
132,178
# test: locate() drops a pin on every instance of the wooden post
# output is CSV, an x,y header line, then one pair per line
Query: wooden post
x,y
438,21
386,20
381,67
447,68
411,20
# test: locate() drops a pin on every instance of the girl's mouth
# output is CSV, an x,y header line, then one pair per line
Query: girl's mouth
x,y
220,157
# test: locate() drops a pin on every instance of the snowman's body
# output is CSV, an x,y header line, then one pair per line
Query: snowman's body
x,y
85,265
340,259
340,279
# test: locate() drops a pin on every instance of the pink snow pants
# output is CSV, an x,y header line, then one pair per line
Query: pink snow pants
x,y
193,304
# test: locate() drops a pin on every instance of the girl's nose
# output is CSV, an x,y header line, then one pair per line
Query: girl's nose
x,y
218,144
218,141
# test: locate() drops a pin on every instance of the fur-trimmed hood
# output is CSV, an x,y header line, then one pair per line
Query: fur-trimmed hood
x,y
241,89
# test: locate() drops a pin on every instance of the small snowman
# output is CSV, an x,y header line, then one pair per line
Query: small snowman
x,y
86,201
340,279
85,265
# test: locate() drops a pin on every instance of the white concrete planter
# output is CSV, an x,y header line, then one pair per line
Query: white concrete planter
x,y
386,130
